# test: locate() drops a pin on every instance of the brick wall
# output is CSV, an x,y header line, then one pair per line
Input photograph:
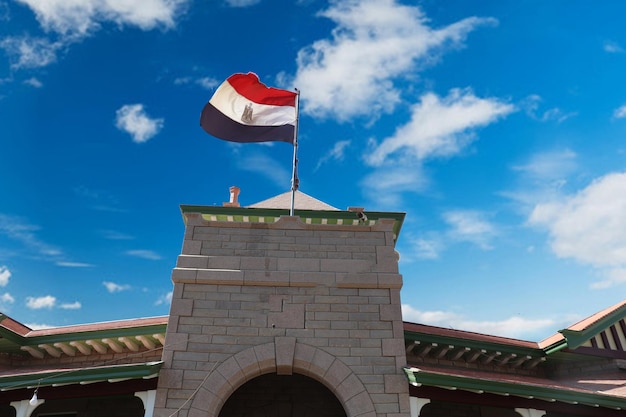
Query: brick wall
x,y
285,298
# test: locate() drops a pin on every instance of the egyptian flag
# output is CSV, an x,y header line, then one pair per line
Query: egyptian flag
x,y
245,110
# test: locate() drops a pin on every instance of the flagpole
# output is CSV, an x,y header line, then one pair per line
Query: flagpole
x,y
295,182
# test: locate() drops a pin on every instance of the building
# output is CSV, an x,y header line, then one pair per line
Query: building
x,y
279,315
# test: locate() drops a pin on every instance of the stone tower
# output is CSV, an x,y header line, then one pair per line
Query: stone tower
x,y
274,315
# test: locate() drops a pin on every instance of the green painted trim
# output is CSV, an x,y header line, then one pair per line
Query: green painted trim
x,y
418,377
576,338
75,376
10,342
474,344
271,215
95,334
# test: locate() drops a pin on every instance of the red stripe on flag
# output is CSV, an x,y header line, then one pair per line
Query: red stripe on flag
x,y
249,86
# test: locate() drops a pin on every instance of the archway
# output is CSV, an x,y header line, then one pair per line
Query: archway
x,y
285,357
273,395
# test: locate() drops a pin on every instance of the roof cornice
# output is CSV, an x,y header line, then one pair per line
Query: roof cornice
x,y
418,377
315,217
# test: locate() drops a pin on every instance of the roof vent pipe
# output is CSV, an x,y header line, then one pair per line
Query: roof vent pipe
x,y
234,197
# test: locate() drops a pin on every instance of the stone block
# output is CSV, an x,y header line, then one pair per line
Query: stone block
x,y
390,312
345,265
321,362
220,276
192,261
285,351
171,378
265,355
393,347
231,371
298,264
360,405
184,275
192,247
396,384
181,307
258,263
311,279
280,278
291,317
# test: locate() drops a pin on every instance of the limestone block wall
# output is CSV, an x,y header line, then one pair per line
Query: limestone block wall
x,y
287,297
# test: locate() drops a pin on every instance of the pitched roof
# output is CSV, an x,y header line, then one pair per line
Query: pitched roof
x,y
302,201
602,331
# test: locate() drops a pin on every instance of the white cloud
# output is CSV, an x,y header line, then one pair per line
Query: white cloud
x,y
82,18
76,305
531,107
515,327
144,253
427,248
440,127
115,235
133,119
7,298
588,226
20,231
542,178
67,22
336,153
242,3
33,82
5,274
386,185
29,52
37,303
164,299
112,287
374,44
470,226
207,83
549,166
612,47
74,264
620,112
265,166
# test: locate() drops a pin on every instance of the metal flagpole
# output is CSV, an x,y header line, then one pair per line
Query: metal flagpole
x,y
295,182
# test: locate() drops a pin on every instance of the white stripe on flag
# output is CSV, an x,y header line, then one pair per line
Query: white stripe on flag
x,y
233,105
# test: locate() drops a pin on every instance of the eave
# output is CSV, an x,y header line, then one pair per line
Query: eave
x,y
456,345
97,338
265,215
547,392
87,375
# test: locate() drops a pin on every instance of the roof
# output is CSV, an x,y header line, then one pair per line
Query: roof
x,y
302,201
479,363
604,331
93,338
18,378
598,391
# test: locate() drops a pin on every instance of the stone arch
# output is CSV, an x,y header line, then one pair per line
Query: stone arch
x,y
285,356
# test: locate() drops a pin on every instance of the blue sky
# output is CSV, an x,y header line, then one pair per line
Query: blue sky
x,y
497,126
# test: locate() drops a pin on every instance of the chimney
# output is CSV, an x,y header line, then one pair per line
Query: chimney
x,y
234,196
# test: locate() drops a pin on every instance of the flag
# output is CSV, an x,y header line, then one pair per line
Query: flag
x,y
245,110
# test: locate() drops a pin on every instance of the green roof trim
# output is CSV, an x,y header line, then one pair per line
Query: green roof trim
x,y
576,338
95,334
419,377
11,342
474,344
265,215
75,376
